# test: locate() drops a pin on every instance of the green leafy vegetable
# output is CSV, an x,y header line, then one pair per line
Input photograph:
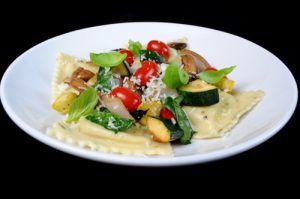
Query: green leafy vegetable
x,y
174,76
150,55
135,47
174,106
109,120
105,80
213,77
110,59
83,105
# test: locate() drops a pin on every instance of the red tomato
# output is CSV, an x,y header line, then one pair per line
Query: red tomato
x,y
130,57
211,68
159,47
148,70
166,114
130,99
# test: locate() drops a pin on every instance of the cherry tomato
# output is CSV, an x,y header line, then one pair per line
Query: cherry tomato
x,y
130,57
211,68
166,114
130,99
148,70
159,47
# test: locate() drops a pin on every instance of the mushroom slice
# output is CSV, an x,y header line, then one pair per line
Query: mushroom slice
x,y
78,84
177,45
199,60
81,73
189,64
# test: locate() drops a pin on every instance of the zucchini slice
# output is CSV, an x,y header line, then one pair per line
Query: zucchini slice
x,y
175,130
163,130
160,132
199,93
122,69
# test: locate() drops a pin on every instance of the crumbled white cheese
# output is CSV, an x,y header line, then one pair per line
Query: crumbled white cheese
x,y
63,86
135,65
174,56
180,39
156,88
125,82
173,120
163,68
111,125
134,80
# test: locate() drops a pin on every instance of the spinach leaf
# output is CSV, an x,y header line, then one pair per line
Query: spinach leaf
x,y
150,55
110,59
105,80
83,105
109,120
174,106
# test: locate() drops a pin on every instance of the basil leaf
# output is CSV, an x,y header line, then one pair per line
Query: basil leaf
x,y
83,105
109,120
135,47
105,80
181,118
213,77
110,59
174,76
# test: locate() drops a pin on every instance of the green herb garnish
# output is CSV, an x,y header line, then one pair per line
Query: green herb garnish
x,y
110,59
135,47
174,76
213,77
83,105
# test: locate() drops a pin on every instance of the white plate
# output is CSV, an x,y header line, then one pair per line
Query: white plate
x,y
26,86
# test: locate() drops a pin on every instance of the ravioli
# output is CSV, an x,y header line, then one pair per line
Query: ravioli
x,y
213,121
64,67
208,122
135,141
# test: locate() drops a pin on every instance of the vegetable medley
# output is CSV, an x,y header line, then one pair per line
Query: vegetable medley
x,y
146,86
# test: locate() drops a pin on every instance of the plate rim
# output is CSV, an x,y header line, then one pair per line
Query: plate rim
x,y
145,161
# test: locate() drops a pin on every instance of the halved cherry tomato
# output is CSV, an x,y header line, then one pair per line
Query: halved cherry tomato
x,y
130,57
130,99
211,68
148,70
166,114
159,47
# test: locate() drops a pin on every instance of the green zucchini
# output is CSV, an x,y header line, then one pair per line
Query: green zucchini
x,y
175,130
163,130
150,55
199,93
160,132
122,69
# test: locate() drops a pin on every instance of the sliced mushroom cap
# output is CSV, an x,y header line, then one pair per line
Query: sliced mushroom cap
x,y
200,62
177,45
189,64
81,73
78,84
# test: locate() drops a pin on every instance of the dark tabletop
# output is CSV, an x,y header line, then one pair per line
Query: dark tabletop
x,y
271,26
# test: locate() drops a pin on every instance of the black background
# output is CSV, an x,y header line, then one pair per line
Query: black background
x,y
270,25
